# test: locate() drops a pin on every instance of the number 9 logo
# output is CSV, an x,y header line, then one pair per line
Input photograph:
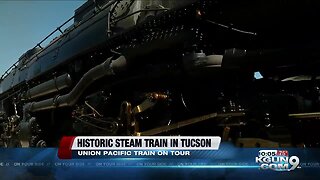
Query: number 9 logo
x,y
294,162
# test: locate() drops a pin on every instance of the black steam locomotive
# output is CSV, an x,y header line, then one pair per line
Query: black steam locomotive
x,y
247,71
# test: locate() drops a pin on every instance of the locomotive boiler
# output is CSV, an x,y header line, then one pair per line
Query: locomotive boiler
x,y
246,71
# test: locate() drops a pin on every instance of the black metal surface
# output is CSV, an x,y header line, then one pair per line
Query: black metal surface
x,y
203,55
107,68
51,86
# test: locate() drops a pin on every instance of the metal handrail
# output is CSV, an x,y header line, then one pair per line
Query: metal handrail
x,y
7,72
66,33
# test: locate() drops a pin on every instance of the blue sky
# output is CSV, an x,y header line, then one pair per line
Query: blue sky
x,y
25,23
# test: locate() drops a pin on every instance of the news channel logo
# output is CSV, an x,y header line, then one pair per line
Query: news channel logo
x,y
277,160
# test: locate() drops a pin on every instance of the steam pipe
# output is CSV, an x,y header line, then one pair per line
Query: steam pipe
x,y
51,86
107,68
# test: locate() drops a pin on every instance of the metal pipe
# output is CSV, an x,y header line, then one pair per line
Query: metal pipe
x,y
48,87
107,68
188,122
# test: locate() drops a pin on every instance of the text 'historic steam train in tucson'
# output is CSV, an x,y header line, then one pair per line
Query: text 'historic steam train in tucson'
x,y
247,71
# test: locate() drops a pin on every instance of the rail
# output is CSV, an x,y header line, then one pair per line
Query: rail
x,y
15,65
100,9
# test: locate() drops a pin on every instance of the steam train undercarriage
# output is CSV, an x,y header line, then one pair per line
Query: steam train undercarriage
x,y
180,73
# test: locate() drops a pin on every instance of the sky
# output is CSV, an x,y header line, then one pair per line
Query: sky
x,y
24,23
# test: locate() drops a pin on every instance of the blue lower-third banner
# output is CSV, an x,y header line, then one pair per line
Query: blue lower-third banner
x,y
226,161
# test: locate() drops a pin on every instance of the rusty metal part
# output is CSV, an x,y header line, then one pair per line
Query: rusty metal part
x,y
305,115
188,122
157,96
143,106
151,100
226,132
126,116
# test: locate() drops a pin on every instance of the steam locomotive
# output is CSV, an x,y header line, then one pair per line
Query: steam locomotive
x,y
247,71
